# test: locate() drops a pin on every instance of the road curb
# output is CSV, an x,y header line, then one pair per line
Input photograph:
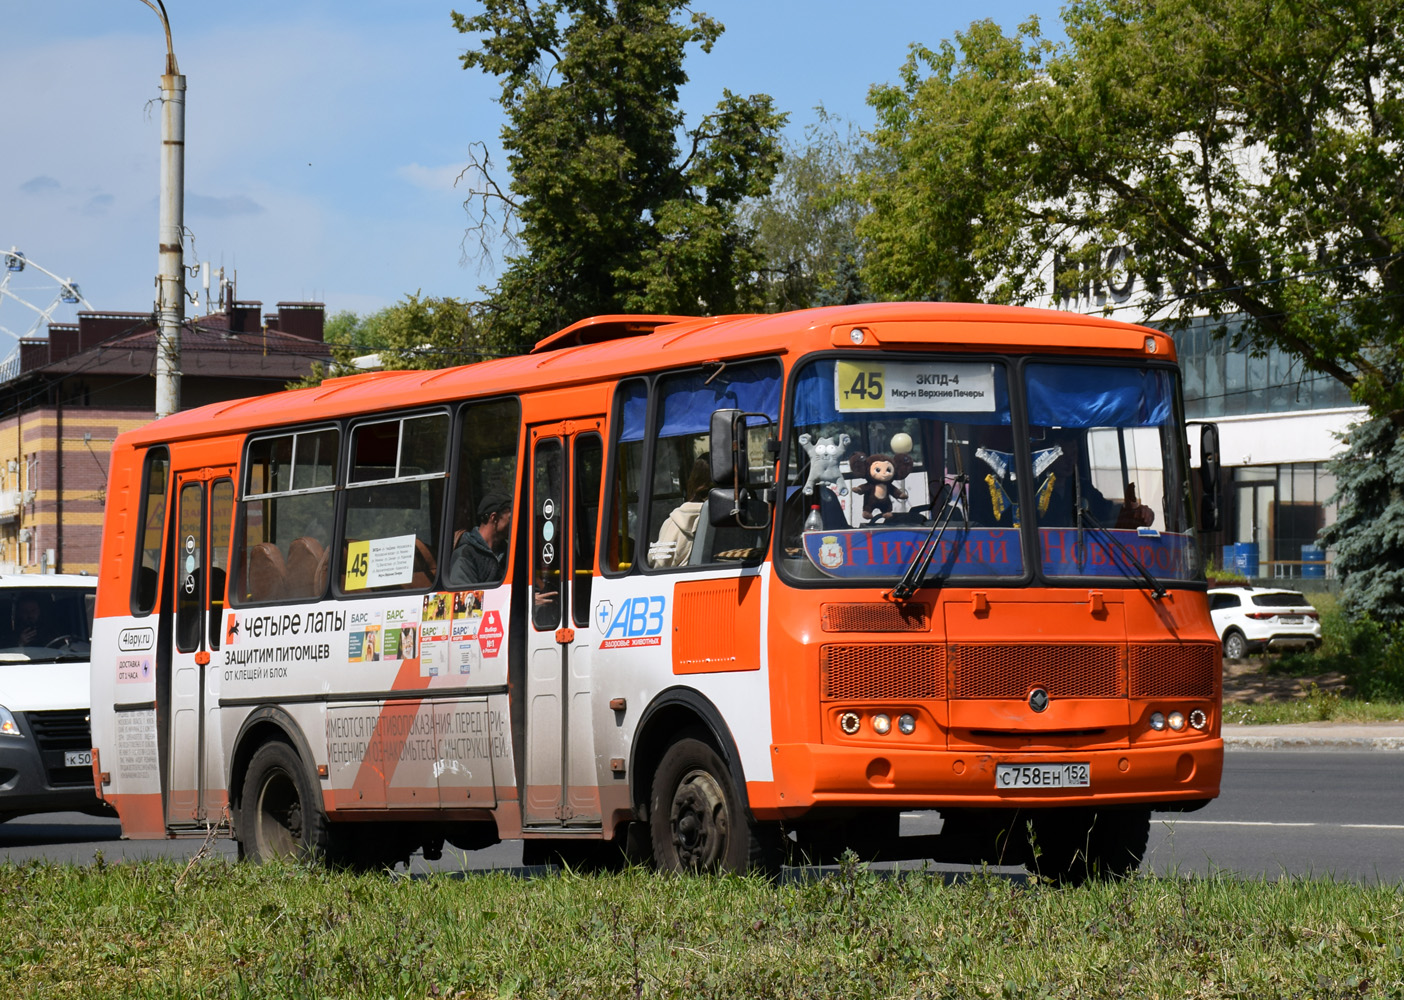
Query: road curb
x,y
1268,742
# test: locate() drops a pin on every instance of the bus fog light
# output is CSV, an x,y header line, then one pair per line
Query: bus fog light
x,y
849,722
882,725
1157,721
1198,719
1177,721
906,725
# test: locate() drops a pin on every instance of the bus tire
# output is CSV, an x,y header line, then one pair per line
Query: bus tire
x,y
281,811
698,820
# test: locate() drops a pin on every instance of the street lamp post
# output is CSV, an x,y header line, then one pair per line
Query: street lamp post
x,y
170,276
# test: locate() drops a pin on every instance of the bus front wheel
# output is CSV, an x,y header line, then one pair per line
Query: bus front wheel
x,y
280,815
1076,845
698,820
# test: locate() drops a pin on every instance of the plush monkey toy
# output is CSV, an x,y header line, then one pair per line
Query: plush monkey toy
x,y
880,473
825,457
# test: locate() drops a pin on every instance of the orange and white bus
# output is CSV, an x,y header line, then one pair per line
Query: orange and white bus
x,y
704,588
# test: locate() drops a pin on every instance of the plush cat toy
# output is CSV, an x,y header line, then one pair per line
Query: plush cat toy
x,y
880,474
825,457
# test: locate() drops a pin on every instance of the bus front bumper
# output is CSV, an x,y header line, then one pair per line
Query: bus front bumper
x,y
808,775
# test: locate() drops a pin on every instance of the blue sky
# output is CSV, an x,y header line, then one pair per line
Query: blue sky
x,y
323,138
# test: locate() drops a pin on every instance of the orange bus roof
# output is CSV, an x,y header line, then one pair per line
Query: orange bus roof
x,y
608,347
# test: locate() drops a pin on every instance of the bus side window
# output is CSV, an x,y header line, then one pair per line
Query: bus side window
x,y
395,489
483,493
587,478
630,412
221,518
152,532
678,529
289,507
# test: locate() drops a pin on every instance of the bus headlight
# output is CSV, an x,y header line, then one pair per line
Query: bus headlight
x,y
882,724
849,722
8,725
1198,719
1157,721
906,725
1177,721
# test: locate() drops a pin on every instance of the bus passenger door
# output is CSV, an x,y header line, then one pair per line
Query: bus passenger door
x,y
562,782
204,508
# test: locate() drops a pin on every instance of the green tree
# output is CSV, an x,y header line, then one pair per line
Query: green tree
x,y
436,333
613,203
419,332
1249,152
807,225
1368,536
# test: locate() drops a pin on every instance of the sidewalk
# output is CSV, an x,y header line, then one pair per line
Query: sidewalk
x,y
1316,736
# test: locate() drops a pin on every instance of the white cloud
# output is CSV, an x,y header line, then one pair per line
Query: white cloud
x,y
432,178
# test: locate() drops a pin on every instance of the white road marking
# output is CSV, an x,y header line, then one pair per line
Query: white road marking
x,y
1244,822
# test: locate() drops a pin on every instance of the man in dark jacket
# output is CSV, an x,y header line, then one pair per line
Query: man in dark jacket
x,y
480,557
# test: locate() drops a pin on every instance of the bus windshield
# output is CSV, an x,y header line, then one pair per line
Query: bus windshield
x,y
1108,472
880,448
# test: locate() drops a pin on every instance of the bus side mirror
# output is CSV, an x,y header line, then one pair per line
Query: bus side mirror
x,y
1210,478
732,500
728,451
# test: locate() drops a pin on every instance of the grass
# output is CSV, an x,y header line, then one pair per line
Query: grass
x,y
1315,706
229,930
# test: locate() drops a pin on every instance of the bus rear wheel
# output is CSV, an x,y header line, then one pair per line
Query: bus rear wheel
x,y
280,815
698,820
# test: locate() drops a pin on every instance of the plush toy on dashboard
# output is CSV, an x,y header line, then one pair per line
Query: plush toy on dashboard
x,y
825,457
879,487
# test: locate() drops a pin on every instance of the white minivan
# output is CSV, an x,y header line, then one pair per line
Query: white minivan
x,y
46,748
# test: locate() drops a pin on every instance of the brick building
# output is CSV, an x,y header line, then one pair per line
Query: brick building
x,y
64,398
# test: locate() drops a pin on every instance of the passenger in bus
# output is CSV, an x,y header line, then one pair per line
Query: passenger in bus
x,y
675,537
481,554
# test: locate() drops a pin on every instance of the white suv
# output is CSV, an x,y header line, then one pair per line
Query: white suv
x,y
46,747
1252,618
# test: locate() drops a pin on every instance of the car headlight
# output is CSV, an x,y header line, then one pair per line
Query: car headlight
x,y
8,725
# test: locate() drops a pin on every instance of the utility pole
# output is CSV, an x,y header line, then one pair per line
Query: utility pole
x,y
170,275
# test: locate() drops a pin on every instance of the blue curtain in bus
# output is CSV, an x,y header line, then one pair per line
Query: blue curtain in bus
x,y
1098,396
633,407
814,401
688,400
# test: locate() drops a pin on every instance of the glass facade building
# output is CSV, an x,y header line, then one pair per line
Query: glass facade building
x,y
1273,511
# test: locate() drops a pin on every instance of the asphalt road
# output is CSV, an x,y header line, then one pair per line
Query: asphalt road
x,y
1314,813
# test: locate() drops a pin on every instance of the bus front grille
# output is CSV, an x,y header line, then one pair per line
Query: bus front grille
x,y
876,672
876,617
1000,670
1174,670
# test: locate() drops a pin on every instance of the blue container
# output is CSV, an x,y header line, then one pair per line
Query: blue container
x,y
1245,558
1313,562
1227,561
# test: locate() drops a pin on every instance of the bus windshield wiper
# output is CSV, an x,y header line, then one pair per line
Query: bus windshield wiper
x,y
1157,589
916,571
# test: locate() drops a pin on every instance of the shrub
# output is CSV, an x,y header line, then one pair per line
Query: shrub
x,y
1369,654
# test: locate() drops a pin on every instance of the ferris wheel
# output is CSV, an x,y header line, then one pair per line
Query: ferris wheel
x,y
30,295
